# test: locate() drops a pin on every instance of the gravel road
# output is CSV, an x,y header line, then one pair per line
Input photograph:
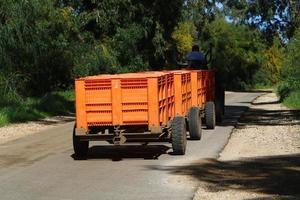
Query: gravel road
x,y
261,160
18,130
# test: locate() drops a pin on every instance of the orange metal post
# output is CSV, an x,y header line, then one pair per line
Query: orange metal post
x,y
199,89
212,85
162,99
194,86
204,86
116,102
178,94
153,107
81,120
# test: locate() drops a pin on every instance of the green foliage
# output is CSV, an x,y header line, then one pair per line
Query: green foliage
x,y
236,52
283,90
293,100
144,26
18,113
183,36
35,41
273,64
28,109
159,42
272,17
125,41
201,13
291,68
55,104
45,45
270,72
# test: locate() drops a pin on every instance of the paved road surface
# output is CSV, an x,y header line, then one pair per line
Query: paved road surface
x,y
41,166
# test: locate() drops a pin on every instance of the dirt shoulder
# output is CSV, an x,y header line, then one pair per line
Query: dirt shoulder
x,y
19,130
261,160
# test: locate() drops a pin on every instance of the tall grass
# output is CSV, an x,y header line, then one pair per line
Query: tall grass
x,y
293,100
19,109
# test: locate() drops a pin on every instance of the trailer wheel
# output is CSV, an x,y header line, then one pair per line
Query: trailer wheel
x,y
210,115
219,111
195,123
220,104
81,148
179,135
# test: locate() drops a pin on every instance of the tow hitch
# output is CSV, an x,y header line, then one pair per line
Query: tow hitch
x,y
119,137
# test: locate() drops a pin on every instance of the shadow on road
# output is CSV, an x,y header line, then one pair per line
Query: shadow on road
x,y
118,153
273,175
236,116
269,175
56,120
266,103
270,117
232,115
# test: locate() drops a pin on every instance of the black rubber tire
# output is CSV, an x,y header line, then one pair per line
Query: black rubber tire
x,y
210,115
219,96
195,123
81,148
220,104
219,111
179,135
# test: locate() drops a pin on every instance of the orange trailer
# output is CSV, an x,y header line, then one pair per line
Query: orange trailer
x,y
138,107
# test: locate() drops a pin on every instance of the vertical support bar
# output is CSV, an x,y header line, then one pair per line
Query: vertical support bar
x,y
190,92
178,94
194,87
213,85
81,117
208,80
153,107
201,88
166,116
116,97
205,87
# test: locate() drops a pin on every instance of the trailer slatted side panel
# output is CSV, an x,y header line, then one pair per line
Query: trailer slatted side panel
x,y
126,99
134,101
98,102
147,98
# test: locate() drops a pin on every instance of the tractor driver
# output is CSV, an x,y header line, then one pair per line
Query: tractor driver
x,y
196,60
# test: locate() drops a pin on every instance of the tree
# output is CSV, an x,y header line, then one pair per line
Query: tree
x,y
183,36
236,52
291,67
272,17
156,20
200,12
35,40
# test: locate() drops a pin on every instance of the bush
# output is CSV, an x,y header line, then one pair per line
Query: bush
x,y
293,100
36,42
291,68
29,109
55,104
270,71
183,37
283,90
236,52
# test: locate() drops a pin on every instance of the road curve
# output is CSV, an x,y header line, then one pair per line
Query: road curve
x,y
41,166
